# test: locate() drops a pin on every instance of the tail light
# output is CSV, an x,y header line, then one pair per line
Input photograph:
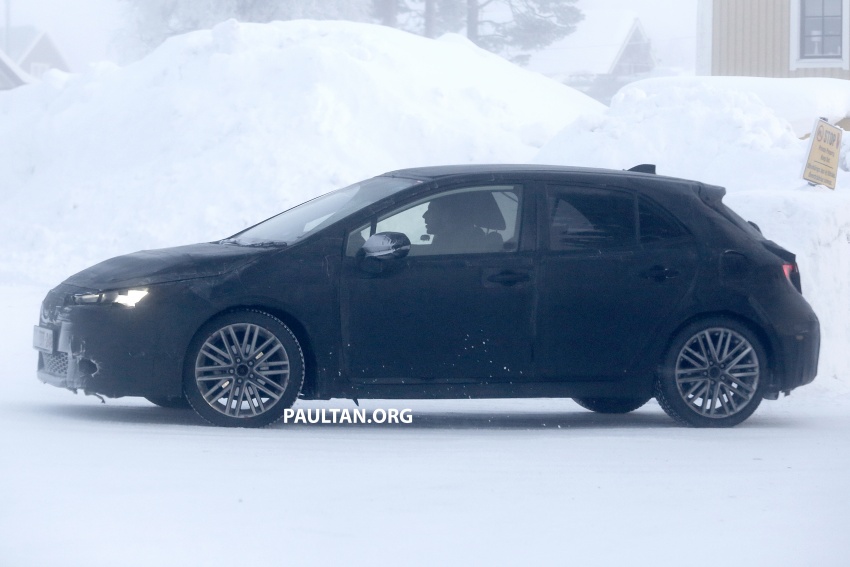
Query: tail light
x,y
793,275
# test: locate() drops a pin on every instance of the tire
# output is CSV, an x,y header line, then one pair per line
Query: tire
x,y
611,405
170,403
713,374
243,369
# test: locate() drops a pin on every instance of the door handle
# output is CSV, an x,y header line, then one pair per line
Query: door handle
x,y
509,278
659,273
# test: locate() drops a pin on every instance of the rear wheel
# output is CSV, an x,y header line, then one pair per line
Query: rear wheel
x,y
243,369
713,375
611,405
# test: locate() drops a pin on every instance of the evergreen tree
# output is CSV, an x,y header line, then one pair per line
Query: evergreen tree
x,y
153,21
514,28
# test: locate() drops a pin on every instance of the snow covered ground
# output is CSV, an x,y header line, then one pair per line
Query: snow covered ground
x,y
500,482
219,129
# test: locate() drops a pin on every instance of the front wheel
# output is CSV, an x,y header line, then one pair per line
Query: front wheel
x,y
611,405
713,375
243,369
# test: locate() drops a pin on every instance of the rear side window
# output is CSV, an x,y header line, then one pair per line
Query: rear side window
x,y
656,225
590,219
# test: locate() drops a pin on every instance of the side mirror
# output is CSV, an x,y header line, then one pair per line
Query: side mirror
x,y
386,246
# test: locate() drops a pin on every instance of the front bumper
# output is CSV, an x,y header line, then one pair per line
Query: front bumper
x,y
62,367
112,350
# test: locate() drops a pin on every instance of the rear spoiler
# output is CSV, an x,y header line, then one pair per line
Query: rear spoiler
x,y
644,168
710,194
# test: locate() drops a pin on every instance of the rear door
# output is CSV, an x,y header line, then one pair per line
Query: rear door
x,y
613,268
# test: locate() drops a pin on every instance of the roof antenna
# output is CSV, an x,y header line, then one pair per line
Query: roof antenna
x,y
644,168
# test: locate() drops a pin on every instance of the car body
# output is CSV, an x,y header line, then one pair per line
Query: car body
x,y
610,287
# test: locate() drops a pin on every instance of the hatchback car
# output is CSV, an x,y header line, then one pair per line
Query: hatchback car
x,y
610,287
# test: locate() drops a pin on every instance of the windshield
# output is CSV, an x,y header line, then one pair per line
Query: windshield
x,y
312,216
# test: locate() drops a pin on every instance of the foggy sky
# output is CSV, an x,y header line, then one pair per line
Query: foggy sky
x,y
84,30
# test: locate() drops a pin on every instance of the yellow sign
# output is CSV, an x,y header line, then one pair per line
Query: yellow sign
x,y
824,150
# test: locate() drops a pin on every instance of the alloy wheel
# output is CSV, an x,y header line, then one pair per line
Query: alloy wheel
x,y
717,372
242,370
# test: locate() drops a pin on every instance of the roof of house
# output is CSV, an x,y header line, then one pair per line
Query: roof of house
x,y
11,75
21,41
593,49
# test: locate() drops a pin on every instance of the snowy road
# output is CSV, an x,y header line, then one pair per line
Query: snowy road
x,y
485,482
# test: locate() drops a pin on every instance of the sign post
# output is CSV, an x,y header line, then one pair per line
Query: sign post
x,y
824,150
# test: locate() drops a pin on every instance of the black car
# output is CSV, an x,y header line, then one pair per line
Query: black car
x,y
610,287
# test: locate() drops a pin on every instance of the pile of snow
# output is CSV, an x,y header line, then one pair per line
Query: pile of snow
x,y
721,131
216,130
799,101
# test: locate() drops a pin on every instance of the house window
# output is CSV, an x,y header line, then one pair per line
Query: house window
x,y
820,34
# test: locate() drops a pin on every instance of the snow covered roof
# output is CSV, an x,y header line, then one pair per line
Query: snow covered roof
x,y
593,49
22,39
11,75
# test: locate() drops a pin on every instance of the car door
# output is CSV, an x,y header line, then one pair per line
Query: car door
x,y
452,312
606,287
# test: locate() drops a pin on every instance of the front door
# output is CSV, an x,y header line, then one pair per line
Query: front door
x,y
458,308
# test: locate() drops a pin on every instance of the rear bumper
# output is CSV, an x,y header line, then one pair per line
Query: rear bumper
x,y
796,360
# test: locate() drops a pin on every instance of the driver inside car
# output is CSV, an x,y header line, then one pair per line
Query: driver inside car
x,y
450,220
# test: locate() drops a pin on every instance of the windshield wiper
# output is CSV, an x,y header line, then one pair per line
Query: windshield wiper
x,y
266,244
255,244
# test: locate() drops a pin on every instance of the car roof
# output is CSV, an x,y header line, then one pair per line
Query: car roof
x,y
444,171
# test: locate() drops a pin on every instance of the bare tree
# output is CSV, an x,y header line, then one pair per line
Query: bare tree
x,y
430,18
512,28
473,8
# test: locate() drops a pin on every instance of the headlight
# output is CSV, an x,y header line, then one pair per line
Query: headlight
x,y
127,297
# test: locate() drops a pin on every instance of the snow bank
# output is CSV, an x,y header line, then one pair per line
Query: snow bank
x,y
218,129
722,132
799,101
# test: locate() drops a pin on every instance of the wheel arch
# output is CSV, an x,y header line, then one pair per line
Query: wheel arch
x,y
748,322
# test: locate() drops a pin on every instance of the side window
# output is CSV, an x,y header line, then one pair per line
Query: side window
x,y
464,221
590,219
655,224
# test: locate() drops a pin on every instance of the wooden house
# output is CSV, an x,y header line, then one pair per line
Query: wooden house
x,y
774,38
